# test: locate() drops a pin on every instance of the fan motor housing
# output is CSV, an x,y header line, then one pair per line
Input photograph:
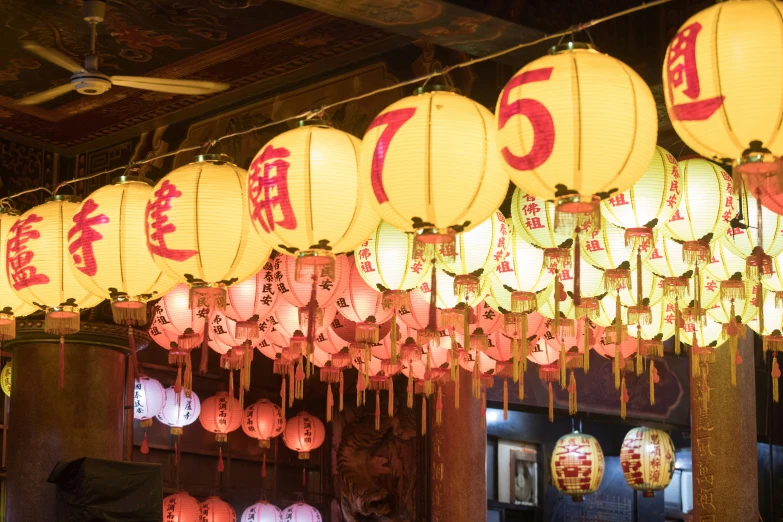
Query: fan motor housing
x,y
91,83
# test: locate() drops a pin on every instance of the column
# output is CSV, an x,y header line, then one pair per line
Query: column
x,y
723,438
458,447
46,424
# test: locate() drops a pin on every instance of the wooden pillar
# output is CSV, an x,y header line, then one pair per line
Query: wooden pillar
x,y
458,447
47,425
723,438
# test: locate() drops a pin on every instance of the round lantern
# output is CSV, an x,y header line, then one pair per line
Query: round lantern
x,y
427,164
11,305
220,414
215,509
715,102
108,249
262,511
518,271
251,301
647,459
534,220
179,410
36,263
306,199
445,295
577,465
361,303
706,209
298,294
303,434
301,512
741,241
263,420
149,397
5,379
553,123
181,507
198,228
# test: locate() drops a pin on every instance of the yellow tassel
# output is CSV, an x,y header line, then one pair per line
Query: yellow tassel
x,y
246,381
521,387
515,358
523,354
557,302
775,377
638,354
466,328
677,348
377,410
291,387
572,407
505,399
476,382
393,338
423,415
456,390
341,390
188,377
367,356
282,396
390,409
329,403
652,382
586,346
410,389
616,366
618,328
622,400
733,345
694,357
760,300
454,356
562,365
178,381
551,404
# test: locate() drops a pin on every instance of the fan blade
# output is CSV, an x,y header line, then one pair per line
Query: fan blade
x,y
35,99
169,85
51,55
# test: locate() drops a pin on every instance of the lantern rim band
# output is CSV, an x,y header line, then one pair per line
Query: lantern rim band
x,y
577,204
572,46
132,178
758,163
435,87
315,122
125,301
213,158
69,198
435,236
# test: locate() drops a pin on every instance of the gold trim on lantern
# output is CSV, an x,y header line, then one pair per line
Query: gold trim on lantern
x,y
125,308
696,252
758,265
640,314
429,242
557,258
466,285
694,315
314,262
636,236
588,307
62,320
616,278
576,210
207,296
524,302
731,290
676,287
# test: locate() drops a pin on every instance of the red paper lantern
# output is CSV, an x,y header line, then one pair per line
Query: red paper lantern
x,y
220,414
181,507
263,420
303,434
251,301
215,509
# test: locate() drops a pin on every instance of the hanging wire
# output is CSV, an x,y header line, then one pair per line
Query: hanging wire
x,y
315,112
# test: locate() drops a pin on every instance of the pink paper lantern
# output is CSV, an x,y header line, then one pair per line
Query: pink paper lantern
x,y
181,507
215,509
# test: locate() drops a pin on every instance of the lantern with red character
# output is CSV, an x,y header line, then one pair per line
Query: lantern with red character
x,y
647,459
577,465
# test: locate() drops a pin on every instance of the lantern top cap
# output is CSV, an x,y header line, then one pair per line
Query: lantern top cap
x,y
132,178
70,198
218,159
435,87
572,46
315,122
9,211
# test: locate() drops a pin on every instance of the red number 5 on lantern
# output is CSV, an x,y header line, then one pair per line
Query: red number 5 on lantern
x,y
393,121
538,115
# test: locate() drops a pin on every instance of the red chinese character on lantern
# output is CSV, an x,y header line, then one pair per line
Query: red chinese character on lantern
x,y
156,211
532,223
676,216
417,267
681,68
593,245
671,201
366,266
674,186
268,189
675,168
618,200
504,267
18,259
84,226
711,285
531,209
655,254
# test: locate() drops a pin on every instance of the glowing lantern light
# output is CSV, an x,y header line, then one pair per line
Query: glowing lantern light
x,y
179,410
551,156
517,270
301,512
251,301
263,420
108,252
149,397
715,102
288,324
181,507
446,298
303,433
298,294
562,291
661,327
262,511
534,220
306,198
220,414
215,509
361,303
428,165
11,305
647,459
577,465
741,241
5,378
198,229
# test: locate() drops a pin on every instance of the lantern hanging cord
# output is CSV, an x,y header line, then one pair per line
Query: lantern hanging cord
x,y
321,110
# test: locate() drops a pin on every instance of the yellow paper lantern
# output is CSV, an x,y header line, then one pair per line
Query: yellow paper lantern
x,y
522,269
716,103
306,198
534,220
706,209
647,460
198,229
11,305
725,264
775,282
5,378
553,126
108,249
37,264
661,326
429,167
591,286
577,465
446,298
743,310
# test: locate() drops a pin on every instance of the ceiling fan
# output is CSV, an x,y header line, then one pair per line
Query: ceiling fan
x,y
87,80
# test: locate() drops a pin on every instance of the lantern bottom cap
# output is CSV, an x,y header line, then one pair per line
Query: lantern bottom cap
x,y
313,263
648,494
435,236
577,498
304,455
758,164
128,302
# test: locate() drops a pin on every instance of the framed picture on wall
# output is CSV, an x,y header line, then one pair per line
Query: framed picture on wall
x,y
517,470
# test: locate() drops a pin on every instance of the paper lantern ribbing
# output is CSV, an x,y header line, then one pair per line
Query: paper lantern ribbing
x,y
428,165
306,198
149,397
263,420
262,511
220,414
11,305
538,230
251,301
198,228
303,434
301,512
445,296
37,265
5,378
551,153
108,249
298,294
359,301
179,410
647,459
215,509
518,271
715,102
181,507
577,465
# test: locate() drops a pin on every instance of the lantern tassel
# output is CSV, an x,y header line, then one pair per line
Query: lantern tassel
x,y
439,407
61,364
178,382
263,465
248,362
638,353
557,301
586,346
775,378
572,395
342,389
410,389
505,399
423,415
476,381
521,387
694,356
562,364
394,337
241,392
390,406
204,364
145,447
377,410
329,403
231,384
551,403
616,366
187,379
282,396
220,466
653,376
515,358
623,399
677,348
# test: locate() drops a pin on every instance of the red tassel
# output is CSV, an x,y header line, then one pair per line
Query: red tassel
x,y
145,447
220,466
61,376
263,466
176,454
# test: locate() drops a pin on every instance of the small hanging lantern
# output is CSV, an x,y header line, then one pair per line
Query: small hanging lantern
x,y
263,420
220,414
251,301
149,397
179,410
303,433
301,512
647,459
11,305
577,465
262,511
215,509
181,507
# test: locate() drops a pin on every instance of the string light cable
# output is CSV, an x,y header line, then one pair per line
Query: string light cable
x,y
6,201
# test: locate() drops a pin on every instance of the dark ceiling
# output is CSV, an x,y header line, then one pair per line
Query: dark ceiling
x,y
253,44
